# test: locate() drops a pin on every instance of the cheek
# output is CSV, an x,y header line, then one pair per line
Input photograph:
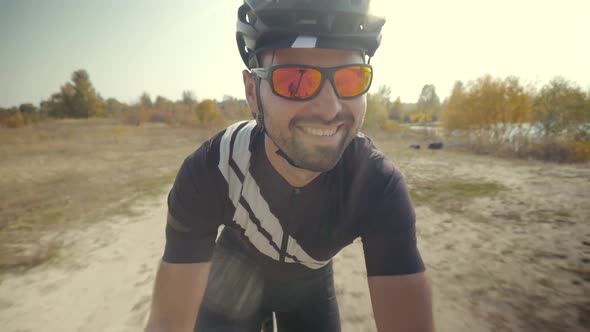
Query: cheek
x,y
357,106
277,110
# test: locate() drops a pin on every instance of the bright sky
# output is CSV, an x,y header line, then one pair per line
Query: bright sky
x,y
165,47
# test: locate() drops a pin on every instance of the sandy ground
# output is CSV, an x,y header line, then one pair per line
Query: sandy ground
x,y
515,261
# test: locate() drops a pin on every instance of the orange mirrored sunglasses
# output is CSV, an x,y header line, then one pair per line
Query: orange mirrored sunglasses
x,y
301,82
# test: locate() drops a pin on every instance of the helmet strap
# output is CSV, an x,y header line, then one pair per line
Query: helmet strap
x,y
260,121
260,113
284,155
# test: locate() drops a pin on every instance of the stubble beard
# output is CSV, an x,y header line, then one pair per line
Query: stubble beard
x,y
315,158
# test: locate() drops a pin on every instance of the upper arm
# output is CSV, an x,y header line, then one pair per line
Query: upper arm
x,y
402,303
389,236
196,208
178,291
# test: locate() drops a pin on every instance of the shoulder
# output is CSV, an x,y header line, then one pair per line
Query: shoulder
x,y
218,149
363,159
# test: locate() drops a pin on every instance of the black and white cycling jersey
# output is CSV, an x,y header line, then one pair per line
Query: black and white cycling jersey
x,y
230,181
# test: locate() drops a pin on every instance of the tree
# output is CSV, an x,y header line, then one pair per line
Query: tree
x,y
208,114
87,103
61,104
561,105
29,112
376,114
113,106
15,120
28,108
145,101
384,93
486,102
163,104
188,98
453,116
234,108
76,99
428,105
396,111
518,103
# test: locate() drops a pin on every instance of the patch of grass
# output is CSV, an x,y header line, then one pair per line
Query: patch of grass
x,y
451,195
580,272
20,247
145,188
550,216
156,185
508,215
563,213
25,255
69,173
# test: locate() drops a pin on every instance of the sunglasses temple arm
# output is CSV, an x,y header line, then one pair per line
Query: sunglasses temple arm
x,y
260,72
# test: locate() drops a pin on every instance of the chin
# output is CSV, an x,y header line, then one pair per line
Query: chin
x,y
318,167
325,163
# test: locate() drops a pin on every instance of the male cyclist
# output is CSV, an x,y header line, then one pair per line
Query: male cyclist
x,y
292,188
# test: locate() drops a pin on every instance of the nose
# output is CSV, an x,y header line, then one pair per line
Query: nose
x,y
327,104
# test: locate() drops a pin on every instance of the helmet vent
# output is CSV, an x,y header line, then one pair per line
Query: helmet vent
x,y
347,24
307,21
250,18
277,20
338,24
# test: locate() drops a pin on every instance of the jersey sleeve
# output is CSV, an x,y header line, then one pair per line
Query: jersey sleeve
x,y
196,207
389,240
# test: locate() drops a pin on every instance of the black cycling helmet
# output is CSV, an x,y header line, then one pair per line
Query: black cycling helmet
x,y
272,24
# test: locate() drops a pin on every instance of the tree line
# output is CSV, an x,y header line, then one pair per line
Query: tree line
x,y
559,111
552,122
559,108
383,113
79,99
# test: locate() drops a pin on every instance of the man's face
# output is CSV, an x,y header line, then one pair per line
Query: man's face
x,y
316,132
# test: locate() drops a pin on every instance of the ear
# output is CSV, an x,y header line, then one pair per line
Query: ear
x,y
250,89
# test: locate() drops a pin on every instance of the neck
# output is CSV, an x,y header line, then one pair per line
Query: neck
x,y
296,177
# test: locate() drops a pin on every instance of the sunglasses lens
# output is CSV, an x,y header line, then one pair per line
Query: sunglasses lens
x,y
296,82
353,81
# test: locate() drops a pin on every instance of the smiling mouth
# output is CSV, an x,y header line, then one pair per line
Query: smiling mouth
x,y
320,132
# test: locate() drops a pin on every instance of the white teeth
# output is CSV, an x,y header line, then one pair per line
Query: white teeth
x,y
319,132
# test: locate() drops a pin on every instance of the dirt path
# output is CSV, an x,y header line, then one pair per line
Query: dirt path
x,y
513,256
104,285
509,250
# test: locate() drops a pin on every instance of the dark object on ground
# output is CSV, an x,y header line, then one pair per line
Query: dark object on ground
x,y
435,145
415,146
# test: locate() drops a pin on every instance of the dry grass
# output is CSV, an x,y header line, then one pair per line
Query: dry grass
x,y
510,233
551,149
532,247
71,172
451,194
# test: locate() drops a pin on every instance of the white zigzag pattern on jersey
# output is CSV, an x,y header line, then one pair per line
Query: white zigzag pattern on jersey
x,y
250,191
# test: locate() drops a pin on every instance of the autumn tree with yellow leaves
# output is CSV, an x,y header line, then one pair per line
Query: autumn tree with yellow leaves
x,y
485,103
208,114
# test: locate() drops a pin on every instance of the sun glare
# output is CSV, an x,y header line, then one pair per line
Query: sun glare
x,y
381,7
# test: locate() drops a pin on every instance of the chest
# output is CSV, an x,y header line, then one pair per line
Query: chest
x,y
300,224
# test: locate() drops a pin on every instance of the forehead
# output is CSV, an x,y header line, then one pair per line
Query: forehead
x,y
321,57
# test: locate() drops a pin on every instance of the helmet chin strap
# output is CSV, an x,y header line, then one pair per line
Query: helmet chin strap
x,y
260,121
284,155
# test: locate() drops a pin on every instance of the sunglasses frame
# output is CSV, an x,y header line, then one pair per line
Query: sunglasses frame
x,y
326,72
